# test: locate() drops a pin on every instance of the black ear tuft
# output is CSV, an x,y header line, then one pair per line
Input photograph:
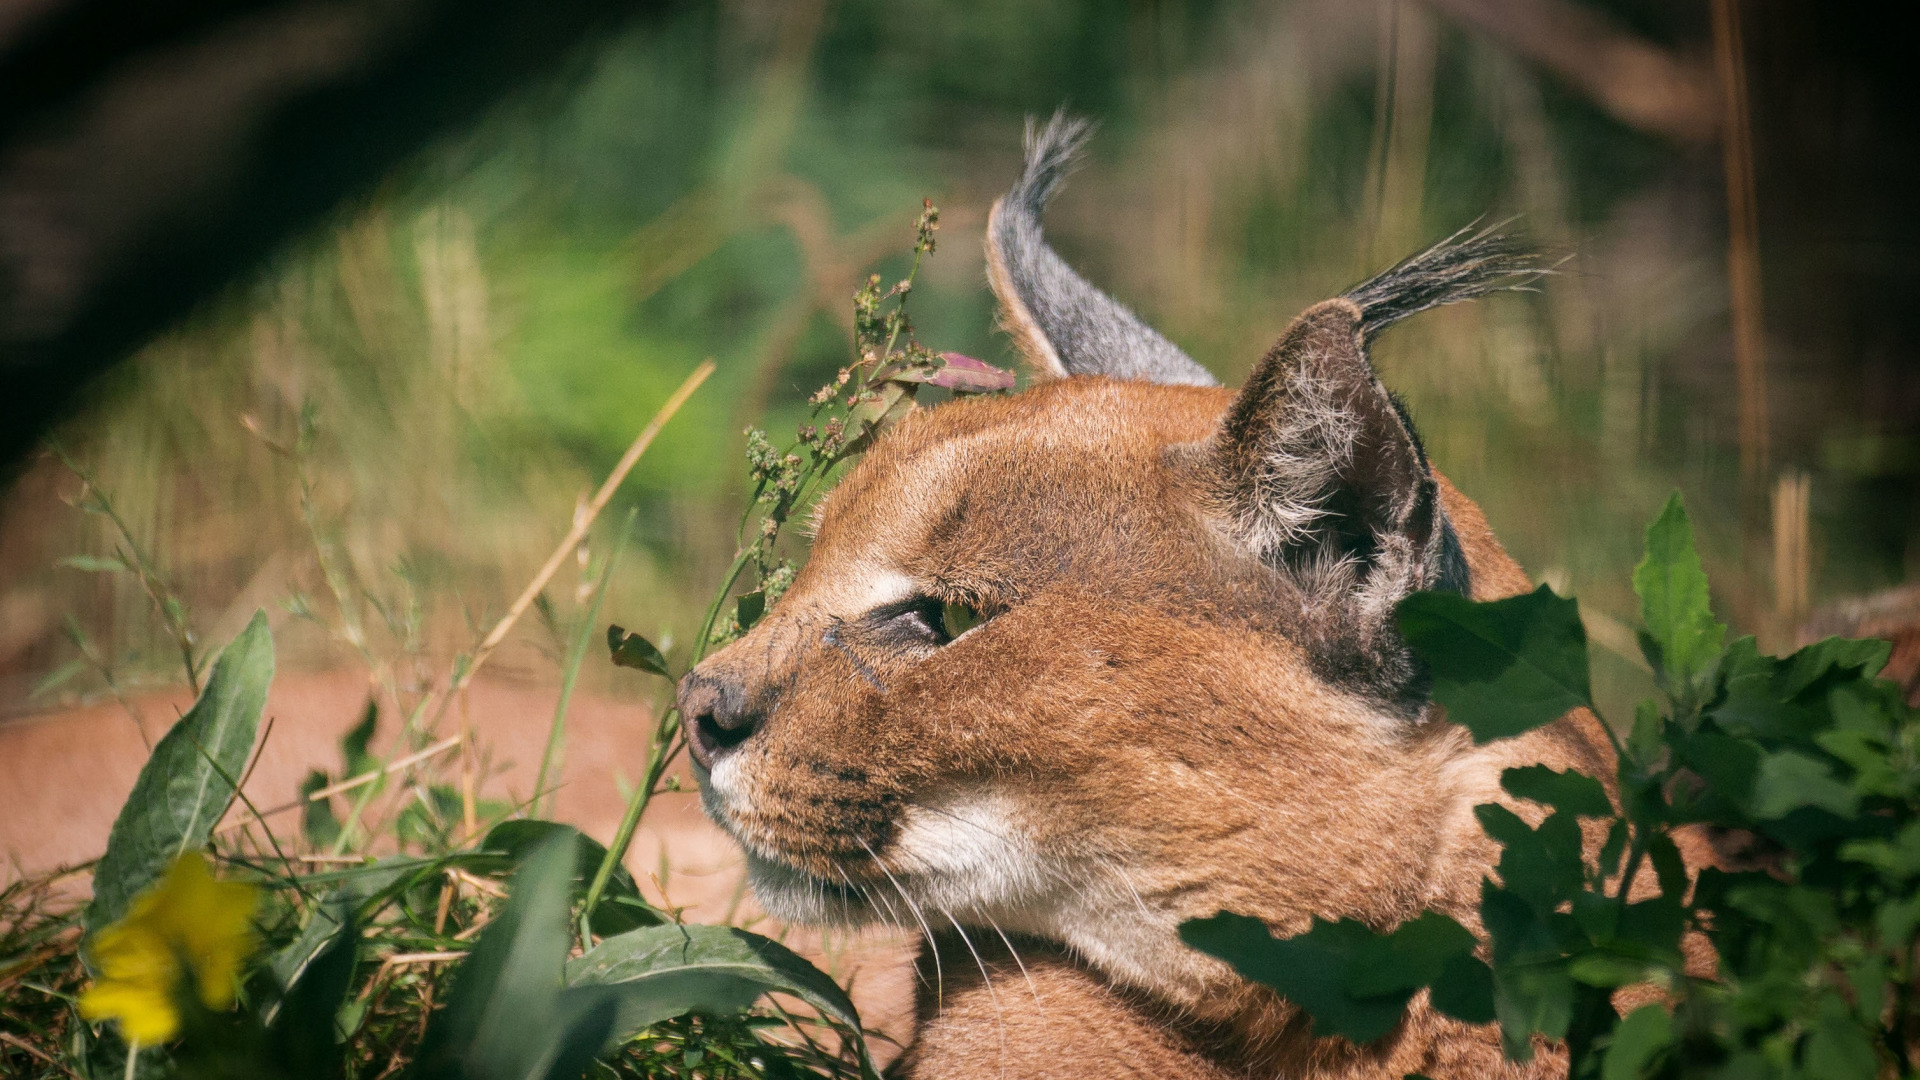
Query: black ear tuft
x,y
1466,265
1061,323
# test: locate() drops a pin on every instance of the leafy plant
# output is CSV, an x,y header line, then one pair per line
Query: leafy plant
x,y
1808,759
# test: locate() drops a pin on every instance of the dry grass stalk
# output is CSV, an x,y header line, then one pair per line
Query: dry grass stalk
x,y
1743,238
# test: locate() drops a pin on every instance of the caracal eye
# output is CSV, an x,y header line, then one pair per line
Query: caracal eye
x,y
957,619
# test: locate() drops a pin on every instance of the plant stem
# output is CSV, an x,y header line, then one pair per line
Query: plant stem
x,y
172,609
583,636
582,523
666,744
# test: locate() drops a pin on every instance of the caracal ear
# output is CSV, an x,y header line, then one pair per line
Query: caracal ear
x,y
1320,474
1060,323
1317,469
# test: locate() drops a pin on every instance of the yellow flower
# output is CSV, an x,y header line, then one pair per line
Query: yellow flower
x,y
188,921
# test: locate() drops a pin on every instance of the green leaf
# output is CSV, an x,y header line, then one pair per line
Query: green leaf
x,y
1418,950
621,907
661,972
301,1036
1644,742
187,784
95,564
1789,780
1606,969
1668,867
354,756
1464,990
749,609
1573,792
1353,981
509,1015
1532,998
317,822
1682,641
1504,667
1313,970
1839,1048
1809,665
1542,865
634,651
1636,1042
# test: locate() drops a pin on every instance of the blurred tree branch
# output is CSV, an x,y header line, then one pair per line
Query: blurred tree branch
x,y
152,152
1637,82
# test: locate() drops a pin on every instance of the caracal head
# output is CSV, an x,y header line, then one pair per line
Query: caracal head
x,y
1117,651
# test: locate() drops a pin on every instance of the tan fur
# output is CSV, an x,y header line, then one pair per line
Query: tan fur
x,y
1014,319
1129,741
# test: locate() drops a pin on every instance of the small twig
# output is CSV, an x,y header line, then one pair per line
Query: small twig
x,y
15,1041
173,611
399,959
476,883
581,524
350,784
583,637
80,641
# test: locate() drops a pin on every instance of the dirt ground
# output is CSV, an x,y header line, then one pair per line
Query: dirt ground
x,y
63,776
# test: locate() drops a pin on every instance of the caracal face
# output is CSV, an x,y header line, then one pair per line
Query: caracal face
x,y
1132,714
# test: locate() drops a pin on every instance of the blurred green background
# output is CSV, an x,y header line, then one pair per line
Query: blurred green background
x,y
479,341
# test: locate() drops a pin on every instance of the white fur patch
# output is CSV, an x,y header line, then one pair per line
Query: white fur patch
x,y
870,590
969,854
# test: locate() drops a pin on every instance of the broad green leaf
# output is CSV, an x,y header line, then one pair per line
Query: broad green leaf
x,y
355,758
1789,780
749,609
509,1015
187,784
661,972
1504,667
301,1039
1668,867
317,822
1542,865
1728,765
1464,990
1682,641
1532,998
634,651
1314,970
1636,1042
1416,950
1809,665
1607,969
1840,1047
1644,742
1573,792
331,916
1354,981
1897,858
621,907
1654,926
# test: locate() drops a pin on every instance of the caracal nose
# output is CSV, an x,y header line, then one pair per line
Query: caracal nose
x,y
717,715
